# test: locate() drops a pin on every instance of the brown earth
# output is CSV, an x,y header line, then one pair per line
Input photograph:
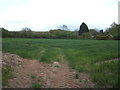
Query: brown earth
x,y
55,75
108,61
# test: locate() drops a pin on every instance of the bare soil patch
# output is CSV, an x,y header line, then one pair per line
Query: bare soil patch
x,y
55,75
107,61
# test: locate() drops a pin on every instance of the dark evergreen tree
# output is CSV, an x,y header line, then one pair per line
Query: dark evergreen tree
x,y
101,32
83,28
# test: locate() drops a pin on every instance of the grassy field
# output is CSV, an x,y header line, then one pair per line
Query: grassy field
x,y
82,55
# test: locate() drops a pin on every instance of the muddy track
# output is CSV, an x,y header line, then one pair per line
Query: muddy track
x,y
55,75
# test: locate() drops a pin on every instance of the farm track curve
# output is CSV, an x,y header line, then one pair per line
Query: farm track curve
x,y
54,75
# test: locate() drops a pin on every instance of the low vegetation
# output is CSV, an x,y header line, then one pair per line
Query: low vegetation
x,y
82,49
76,76
36,85
82,55
105,74
6,74
112,33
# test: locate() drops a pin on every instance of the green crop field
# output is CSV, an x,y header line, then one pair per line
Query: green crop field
x,y
81,55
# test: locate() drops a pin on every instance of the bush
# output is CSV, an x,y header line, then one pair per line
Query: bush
x,y
114,31
62,34
86,35
103,37
116,37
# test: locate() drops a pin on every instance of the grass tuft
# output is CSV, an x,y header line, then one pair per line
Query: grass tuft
x,y
76,76
36,85
6,75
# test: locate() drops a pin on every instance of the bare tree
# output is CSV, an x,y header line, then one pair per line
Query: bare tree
x,y
26,29
63,27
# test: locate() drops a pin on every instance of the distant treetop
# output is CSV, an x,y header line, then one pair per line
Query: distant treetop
x,y
26,29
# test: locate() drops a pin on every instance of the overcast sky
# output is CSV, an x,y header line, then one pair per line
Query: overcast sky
x,y
43,15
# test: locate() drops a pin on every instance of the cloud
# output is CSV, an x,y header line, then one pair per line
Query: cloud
x,y
18,22
48,14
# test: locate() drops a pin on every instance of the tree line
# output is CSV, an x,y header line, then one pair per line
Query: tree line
x,y
64,33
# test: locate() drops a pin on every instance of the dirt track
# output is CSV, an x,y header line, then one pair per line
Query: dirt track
x,y
55,75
